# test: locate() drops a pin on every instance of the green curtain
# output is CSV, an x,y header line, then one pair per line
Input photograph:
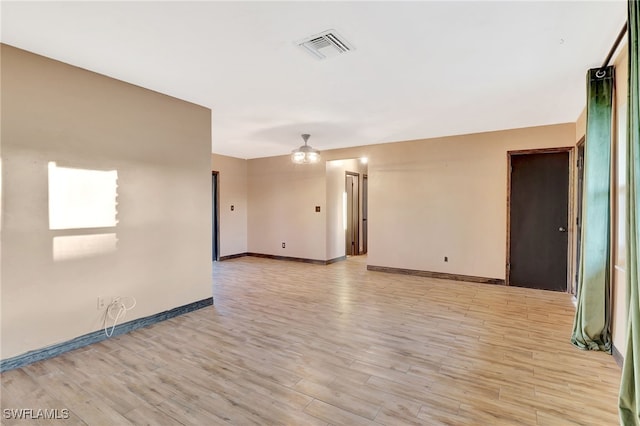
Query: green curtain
x,y
629,401
591,328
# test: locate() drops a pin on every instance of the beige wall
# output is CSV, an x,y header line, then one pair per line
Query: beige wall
x,y
282,198
581,125
447,197
160,149
232,182
427,199
619,286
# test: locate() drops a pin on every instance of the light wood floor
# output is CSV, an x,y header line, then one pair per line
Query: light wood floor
x,y
292,343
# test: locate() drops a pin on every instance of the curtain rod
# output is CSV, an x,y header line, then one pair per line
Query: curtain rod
x,y
623,31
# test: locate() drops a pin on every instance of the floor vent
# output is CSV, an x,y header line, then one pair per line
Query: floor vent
x,y
325,45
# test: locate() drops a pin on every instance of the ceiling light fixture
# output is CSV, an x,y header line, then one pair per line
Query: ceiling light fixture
x,y
305,154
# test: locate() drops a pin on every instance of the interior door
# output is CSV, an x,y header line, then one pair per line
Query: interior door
x,y
538,220
215,227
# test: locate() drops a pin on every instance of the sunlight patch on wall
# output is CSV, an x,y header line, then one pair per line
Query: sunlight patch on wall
x,y
81,246
82,198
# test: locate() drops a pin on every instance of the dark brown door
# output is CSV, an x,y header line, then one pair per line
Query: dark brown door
x,y
538,218
215,216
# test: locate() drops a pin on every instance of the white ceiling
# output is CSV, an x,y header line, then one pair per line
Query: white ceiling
x,y
420,69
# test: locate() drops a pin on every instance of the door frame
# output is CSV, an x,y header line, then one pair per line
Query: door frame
x,y
577,213
357,212
570,210
215,214
365,212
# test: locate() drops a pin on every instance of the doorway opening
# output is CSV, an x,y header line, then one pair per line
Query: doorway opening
x,y
347,208
365,198
538,219
215,216
352,220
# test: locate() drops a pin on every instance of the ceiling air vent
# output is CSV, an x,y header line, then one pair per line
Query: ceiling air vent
x,y
326,45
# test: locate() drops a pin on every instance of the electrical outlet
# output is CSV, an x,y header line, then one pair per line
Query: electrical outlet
x,y
284,245
102,302
446,259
